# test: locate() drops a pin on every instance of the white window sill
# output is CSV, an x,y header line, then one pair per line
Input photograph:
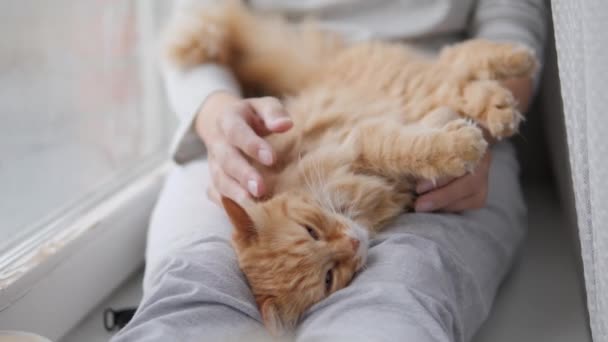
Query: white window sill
x,y
57,283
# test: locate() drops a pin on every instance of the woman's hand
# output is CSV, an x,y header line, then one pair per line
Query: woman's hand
x,y
471,190
230,127
456,194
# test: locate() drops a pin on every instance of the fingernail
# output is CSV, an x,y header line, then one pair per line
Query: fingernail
x,y
425,187
253,187
265,157
281,120
424,207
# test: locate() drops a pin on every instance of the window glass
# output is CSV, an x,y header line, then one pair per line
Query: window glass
x,y
81,104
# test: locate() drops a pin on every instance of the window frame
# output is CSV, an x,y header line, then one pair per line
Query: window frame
x,y
90,258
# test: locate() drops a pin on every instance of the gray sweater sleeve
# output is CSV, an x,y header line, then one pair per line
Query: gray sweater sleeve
x,y
521,21
188,89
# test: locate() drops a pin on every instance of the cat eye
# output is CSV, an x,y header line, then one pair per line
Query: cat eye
x,y
313,233
329,280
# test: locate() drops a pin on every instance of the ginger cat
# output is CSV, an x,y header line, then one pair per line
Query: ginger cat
x,y
369,120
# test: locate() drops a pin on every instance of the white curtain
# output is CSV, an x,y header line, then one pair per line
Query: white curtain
x,y
581,34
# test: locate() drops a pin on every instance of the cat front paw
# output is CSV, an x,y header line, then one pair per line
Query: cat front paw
x,y
516,61
492,106
502,122
501,117
467,147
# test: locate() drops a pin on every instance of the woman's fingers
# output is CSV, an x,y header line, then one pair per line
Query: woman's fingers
x,y
244,125
272,113
477,201
227,186
236,167
232,129
440,198
463,193
213,195
426,185
240,129
237,132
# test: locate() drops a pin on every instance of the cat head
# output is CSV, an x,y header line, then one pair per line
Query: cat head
x,y
294,254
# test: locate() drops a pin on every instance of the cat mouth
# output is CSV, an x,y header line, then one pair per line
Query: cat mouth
x,y
361,234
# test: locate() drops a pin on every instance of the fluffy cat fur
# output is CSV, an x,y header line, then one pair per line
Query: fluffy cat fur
x,y
369,118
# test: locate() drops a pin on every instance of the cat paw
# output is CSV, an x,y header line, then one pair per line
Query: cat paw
x,y
501,121
517,61
492,106
501,117
490,60
466,147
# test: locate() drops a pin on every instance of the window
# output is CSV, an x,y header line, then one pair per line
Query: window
x,y
81,105
84,131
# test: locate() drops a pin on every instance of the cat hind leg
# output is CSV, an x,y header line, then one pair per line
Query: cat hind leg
x,y
484,59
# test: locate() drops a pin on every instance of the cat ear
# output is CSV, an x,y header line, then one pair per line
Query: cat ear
x,y
244,229
272,319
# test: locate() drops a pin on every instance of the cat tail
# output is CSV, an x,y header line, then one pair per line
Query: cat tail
x,y
265,52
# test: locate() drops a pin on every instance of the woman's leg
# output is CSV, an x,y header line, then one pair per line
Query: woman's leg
x,y
183,214
430,277
193,288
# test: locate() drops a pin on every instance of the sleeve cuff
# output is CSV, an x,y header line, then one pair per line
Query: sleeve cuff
x,y
187,91
522,22
517,37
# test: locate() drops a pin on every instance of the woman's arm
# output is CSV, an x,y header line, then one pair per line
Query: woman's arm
x,y
216,120
520,21
187,90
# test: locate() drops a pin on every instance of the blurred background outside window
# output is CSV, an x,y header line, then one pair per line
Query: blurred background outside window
x,y
82,110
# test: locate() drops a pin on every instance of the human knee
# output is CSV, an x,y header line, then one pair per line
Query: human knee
x,y
436,277
211,259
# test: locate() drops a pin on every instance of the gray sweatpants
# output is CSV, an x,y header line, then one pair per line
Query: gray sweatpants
x,y
430,277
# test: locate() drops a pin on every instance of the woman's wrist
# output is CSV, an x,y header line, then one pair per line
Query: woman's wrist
x,y
213,105
522,89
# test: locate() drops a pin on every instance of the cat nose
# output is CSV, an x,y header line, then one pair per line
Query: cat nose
x,y
355,243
